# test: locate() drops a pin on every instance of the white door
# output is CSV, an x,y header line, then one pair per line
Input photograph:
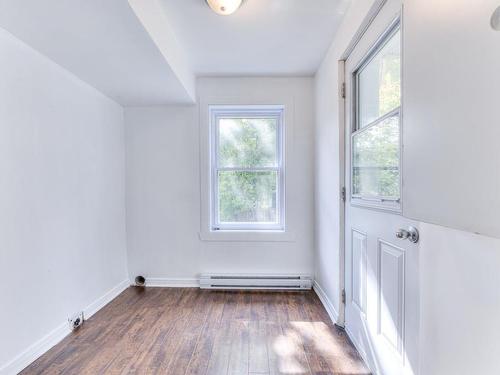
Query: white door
x,y
381,285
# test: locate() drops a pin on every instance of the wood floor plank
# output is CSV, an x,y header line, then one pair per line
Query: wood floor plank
x,y
295,308
258,306
274,335
258,355
319,365
190,336
181,331
201,355
239,353
280,303
221,352
271,307
230,303
168,353
295,358
243,306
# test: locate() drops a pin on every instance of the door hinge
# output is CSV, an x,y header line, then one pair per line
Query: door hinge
x,y
343,194
343,296
342,90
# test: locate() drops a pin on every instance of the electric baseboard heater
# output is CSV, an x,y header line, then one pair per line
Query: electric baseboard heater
x,y
243,281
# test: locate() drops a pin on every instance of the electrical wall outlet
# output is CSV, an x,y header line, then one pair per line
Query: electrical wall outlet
x,y
76,321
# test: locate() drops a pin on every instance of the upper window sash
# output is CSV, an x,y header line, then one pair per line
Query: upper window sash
x,y
243,114
381,44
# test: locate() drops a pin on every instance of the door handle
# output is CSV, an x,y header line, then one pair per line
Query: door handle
x,y
411,234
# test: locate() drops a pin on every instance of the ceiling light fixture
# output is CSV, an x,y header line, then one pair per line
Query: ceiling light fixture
x,y
495,19
224,7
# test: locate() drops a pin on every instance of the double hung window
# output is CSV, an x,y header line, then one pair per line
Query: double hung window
x,y
376,144
247,175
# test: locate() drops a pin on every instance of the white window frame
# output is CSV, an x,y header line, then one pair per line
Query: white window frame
x,y
393,204
217,112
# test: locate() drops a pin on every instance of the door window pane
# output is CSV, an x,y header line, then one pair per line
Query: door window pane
x,y
375,160
247,142
248,197
379,83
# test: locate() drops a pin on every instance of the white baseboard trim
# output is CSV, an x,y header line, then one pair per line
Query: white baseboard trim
x,y
36,350
172,282
43,345
330,309
105,299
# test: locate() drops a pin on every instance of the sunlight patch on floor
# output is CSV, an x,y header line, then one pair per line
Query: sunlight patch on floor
x,y
288,349
300,338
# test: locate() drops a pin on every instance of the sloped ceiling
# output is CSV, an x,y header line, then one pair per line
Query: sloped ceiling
x,y
100,41
148,52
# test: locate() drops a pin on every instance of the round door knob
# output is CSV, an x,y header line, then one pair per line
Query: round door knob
x,y
411,234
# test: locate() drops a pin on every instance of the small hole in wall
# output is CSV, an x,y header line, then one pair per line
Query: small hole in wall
x,y
495,19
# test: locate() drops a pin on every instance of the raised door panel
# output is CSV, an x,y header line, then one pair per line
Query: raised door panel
x,y
391,261
358,273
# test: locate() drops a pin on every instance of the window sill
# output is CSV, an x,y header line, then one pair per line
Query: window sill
x,y
247,236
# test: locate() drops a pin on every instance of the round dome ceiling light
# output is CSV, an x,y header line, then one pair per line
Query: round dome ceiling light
x,y
224,7
495,19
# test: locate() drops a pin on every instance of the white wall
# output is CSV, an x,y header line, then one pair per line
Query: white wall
x,y
163,187
458,270
327,174
163,191
451,136
460,302
459,275
62,222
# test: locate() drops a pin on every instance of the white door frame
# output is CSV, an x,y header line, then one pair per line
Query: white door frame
x,y
367,21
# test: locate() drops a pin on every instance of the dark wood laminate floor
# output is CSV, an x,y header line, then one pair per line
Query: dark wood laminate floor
x,y
193,331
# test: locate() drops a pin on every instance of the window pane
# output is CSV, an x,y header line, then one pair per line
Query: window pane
x,y
247,142
380,83
248,197
376,160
